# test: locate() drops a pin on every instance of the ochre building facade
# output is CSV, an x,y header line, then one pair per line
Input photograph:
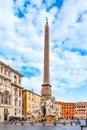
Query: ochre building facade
x,y
30,100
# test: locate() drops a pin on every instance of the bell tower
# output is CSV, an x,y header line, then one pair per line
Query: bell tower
x,y
46,87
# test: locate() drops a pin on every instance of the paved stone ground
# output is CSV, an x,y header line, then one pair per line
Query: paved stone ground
x,y
37,127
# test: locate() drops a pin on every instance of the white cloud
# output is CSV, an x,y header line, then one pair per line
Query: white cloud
x,y
33,83
50,2
36,2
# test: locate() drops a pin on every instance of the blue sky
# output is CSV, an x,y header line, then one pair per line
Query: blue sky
x,y
22,42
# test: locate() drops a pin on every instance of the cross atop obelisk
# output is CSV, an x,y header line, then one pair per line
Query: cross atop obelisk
x,y
46,87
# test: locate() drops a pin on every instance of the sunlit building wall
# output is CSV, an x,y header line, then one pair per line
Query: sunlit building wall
x,y
30,100
67,110
10,92
80,110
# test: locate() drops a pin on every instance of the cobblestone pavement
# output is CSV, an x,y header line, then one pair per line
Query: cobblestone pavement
x,y
37,127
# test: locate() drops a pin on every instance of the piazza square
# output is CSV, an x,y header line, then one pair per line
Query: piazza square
x,y
43,65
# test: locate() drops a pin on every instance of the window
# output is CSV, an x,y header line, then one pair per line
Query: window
x,y
1,80
19,111
15,111
5,71
2,99
15,91
19,103
6,97
15,79
9,73
20,93
9,100
5,82
15,102
20,81
1,69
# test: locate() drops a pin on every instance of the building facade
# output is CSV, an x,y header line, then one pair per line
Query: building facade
x,y
10,92
67,110
80,110
72,110
30,100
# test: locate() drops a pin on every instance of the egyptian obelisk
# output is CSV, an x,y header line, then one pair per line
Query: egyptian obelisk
x,y
46,87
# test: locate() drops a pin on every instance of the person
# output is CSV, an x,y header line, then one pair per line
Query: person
x,y
15,122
